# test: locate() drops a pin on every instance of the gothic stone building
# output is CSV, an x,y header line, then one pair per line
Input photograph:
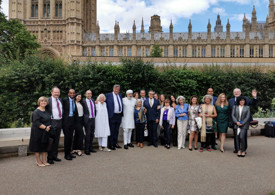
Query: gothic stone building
x,y
69,29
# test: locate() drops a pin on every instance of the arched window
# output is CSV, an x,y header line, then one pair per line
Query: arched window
x,y
34,8
46,8
58,8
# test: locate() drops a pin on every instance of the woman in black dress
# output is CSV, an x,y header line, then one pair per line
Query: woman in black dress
x,y
41,124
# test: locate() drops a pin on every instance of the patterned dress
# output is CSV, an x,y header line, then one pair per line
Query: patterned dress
x,y
193,113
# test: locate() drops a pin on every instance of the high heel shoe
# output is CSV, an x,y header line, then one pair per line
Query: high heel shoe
x,y
222,150
40,165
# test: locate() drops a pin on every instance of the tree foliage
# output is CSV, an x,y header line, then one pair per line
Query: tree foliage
x,y
15,41
156,51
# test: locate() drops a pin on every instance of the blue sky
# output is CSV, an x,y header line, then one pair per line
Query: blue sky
x,y
180,11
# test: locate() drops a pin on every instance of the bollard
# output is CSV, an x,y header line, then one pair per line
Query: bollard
x,y
22,150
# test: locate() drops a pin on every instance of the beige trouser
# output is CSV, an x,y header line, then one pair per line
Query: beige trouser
x,y
182,128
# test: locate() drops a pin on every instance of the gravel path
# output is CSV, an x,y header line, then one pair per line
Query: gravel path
x,y
147,171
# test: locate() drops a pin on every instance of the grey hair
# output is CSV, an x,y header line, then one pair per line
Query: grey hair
x,y
180,97
116,85
139,100
207,96
97,99
237,89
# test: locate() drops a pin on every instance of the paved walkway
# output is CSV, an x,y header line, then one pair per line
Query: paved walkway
x,y
147,171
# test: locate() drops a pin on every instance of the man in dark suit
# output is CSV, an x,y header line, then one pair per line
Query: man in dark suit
x,y
152,114
68,123
54,107
248,102
210,91
115,113
89,121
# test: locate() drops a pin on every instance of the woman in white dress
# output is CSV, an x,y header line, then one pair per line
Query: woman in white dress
x,y
102,129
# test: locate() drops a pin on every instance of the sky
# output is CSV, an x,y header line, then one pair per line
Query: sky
x,y
179,11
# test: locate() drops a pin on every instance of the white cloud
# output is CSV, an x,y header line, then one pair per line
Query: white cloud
x,y
239,17
126,11
5,7
219,10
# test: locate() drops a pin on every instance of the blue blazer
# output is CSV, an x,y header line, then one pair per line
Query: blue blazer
x,y
111,105
214,99
152,113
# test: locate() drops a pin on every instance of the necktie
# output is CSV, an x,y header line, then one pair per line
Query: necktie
x,y
151,103
58,108
92,110
119,106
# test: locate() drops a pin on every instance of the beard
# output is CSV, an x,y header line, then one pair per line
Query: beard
x,y
129,98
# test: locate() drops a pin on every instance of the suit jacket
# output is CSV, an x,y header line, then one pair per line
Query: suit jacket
x,y
111,105
245,117
248,102
66,107
152,113
214,99
50,106
86,113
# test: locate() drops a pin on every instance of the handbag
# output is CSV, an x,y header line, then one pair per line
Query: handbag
x,y
45,137
209,129
199,122
146,132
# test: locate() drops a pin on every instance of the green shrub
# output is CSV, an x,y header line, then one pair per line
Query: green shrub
x,y
23,82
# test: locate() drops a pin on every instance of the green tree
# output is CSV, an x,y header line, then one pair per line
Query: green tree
x,y
156,51
15,41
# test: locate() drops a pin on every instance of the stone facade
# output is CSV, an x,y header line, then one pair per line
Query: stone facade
x,y
70,29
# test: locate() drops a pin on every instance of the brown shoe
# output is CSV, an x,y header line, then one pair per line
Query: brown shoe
x,y
138,144
141,145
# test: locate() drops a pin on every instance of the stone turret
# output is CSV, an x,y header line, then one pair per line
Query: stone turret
x,y
219,27
142,26
228,30
171,28
155,24
254,20
134,31
189,30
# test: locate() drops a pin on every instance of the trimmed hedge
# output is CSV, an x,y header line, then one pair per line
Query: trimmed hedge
x,y
22,83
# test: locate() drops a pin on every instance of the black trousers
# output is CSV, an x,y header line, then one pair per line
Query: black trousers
x,y
167,131
241,140
139,132
210,140
89,133
55,132
114,123
152,130
78,134
68,130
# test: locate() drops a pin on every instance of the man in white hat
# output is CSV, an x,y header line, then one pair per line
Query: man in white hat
x,y
128,121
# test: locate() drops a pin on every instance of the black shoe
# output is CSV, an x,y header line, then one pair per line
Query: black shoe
x,y
242,155
168,147
72,156
239,155
117,146
190,149
155,145
149,144
130,145
125,147
195,148
87,152
57,159
92,151
214,148
235,151
112,148
68,157
50,162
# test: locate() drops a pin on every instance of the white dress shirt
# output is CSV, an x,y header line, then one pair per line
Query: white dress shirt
x,y
55,113
89,107
116,103
79,109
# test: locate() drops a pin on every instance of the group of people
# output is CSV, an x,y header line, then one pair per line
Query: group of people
x,y
103,117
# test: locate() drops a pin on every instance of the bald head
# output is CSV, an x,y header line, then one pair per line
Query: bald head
x,y
237,92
